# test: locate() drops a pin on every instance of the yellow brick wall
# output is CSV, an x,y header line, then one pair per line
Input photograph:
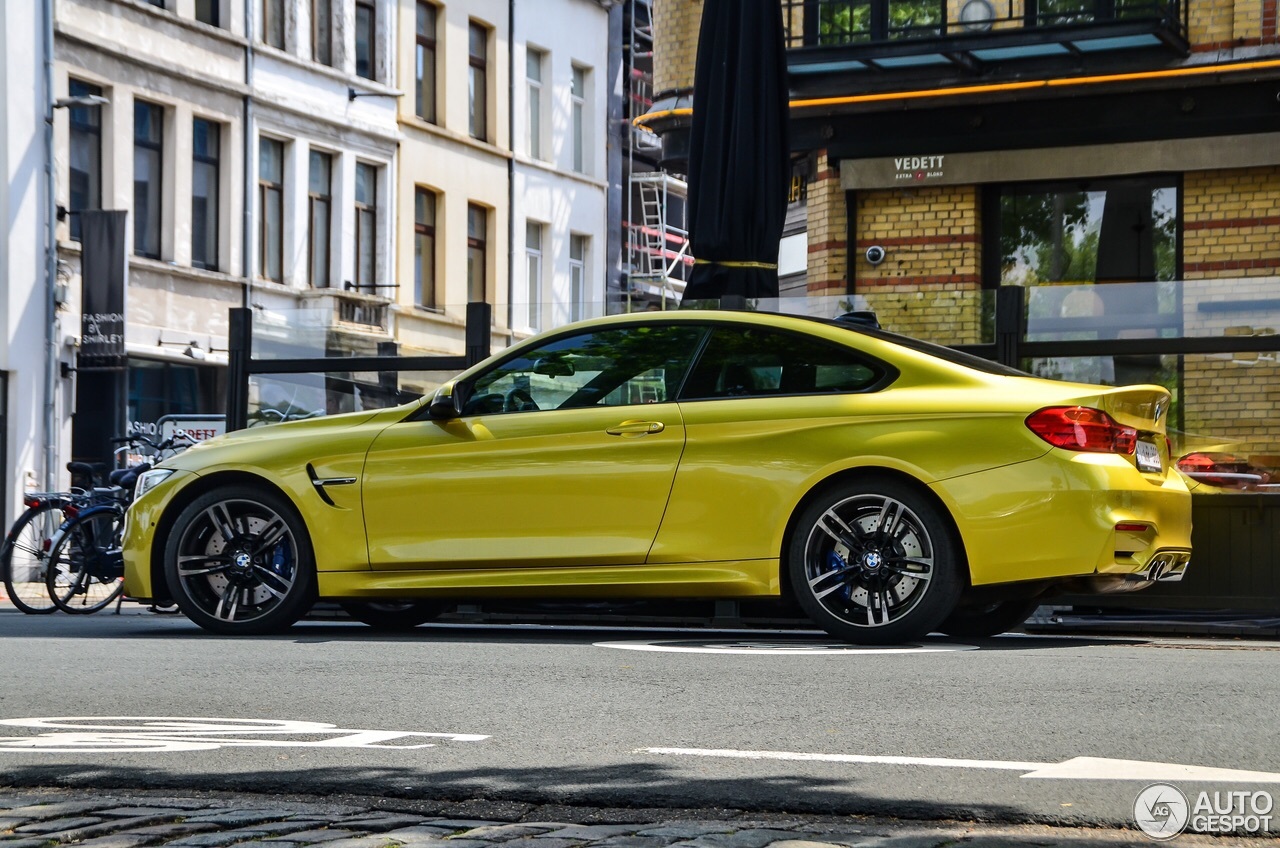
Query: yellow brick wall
x,y
1231,252
828,230
929,284
675,43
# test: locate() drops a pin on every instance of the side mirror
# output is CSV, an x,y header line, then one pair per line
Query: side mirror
x,y
446,403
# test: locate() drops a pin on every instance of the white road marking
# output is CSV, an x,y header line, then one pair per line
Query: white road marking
x,y
814,648
120,733
1077,768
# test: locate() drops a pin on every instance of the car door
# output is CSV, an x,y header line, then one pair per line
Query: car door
x,y
763,410
563,455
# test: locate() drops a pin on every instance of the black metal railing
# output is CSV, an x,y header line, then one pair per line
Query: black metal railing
x,y
833,23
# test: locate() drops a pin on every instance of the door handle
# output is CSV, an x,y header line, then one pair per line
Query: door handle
x,y
636,428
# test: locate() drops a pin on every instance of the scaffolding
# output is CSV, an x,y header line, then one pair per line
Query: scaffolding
x,y
657,243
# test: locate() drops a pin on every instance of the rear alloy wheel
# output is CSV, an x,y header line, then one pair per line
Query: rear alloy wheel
x,y
238,561
975,621
874,562
393,615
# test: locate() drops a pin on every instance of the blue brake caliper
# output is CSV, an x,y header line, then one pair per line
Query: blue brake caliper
x,y
835,562
281,561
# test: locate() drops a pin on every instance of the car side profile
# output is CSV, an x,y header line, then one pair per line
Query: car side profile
x,y
888,486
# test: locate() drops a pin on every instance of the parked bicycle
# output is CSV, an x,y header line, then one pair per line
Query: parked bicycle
x,y
39,577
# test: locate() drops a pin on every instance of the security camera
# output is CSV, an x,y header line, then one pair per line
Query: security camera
x,y
875,254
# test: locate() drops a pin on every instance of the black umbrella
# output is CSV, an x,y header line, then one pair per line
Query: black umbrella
x,y
739,154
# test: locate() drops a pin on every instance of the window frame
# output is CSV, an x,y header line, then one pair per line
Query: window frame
x,y
320,277
267,188
579,131
213,215
322,32
153,222
370,8
85,126
366,234
534,270
478,245
426,47
273,15
577,274
535,107
478,81
424,232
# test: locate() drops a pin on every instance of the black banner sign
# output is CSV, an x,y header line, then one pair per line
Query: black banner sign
x,y
104,271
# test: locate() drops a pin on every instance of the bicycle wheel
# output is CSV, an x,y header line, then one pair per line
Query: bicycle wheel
x,y
24,560
85,572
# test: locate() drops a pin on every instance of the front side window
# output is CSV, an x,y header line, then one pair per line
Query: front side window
x,y
148,151
205,153
320,215
478,81
366,39
85,155
760,361
605,368
271,209
477,259
366,226
425,63
534,61
579,140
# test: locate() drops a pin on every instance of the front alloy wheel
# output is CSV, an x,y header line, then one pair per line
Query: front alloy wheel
x,y
874,562
238,561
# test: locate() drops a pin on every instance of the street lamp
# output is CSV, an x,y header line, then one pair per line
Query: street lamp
x,y
52,370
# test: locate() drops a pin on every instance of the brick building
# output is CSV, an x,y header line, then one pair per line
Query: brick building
x,y
1110,168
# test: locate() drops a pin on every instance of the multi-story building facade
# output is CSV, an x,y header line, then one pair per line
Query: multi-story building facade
x,y
1116,167
559,175
352,170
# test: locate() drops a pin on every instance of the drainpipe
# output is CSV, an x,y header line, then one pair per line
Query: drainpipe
x,y
51,431
511,170
246,257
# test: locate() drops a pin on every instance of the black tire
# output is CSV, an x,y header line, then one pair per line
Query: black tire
x,y
389,616
238,561
975,621
875,562
24,559
85,572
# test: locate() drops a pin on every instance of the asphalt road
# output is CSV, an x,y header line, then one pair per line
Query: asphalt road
x,y
991,732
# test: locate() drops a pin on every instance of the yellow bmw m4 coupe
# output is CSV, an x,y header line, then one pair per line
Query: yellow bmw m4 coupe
x,y
888,486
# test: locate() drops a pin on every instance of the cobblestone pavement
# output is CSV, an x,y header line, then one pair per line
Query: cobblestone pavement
x,y
49,818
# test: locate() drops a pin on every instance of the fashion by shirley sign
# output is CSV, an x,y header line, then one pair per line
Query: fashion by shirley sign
x,y
917,168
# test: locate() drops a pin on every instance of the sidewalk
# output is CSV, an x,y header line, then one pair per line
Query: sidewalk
x,y
46,818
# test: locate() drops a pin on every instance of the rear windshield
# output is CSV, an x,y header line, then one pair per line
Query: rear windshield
x,y
957,357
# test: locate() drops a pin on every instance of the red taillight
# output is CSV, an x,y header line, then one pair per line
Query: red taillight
x,y
71,510
1083,429
30,502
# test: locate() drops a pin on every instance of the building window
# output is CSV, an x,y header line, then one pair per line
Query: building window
x,y
148,151
424,248
86,154
319,214
366,226
478,81
535,60
205,147
271,209
207,12
578,93
366,39
577,276
322,31
533,269
273,22
425,72
477,227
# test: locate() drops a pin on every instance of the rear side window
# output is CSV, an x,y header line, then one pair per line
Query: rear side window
x,y
758,361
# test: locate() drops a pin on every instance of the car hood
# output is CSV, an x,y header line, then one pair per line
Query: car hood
x,y
258,444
